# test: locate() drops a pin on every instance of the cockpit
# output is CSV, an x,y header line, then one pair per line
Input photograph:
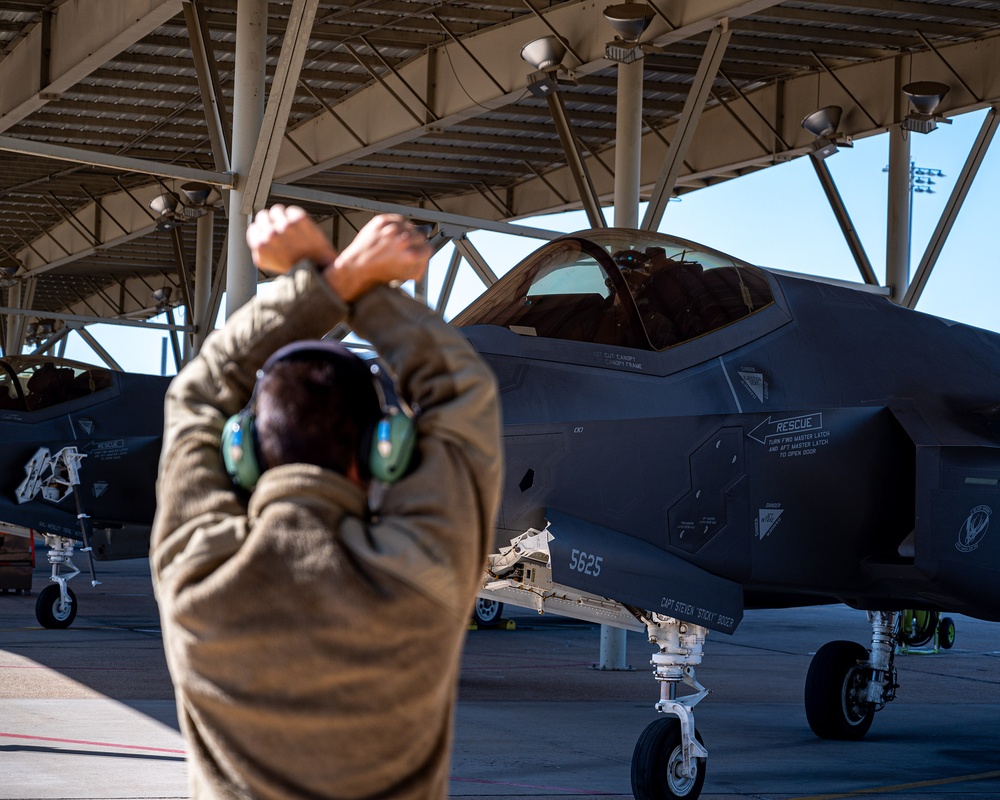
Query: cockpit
x,y
624,288
32,383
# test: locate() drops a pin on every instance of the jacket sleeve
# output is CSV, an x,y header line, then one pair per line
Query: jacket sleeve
x,y
436,523
201,517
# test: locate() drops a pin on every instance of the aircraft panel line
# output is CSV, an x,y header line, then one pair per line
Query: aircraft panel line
x,y
739,408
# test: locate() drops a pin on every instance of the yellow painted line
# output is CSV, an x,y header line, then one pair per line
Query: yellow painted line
x,y
902,787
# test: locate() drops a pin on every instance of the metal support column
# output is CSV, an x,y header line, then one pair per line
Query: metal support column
x,y
279,103
475,260
174,343
950,212
449,283
628,144
574,158
13,347
897,238
204,246
248,116
628,154
103,354
844,220
686,126
59,337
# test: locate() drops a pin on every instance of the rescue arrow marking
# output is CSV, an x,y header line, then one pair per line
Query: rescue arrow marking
x,y
783,427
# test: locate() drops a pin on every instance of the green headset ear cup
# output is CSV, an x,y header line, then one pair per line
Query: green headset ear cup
x,y
392,447
239,450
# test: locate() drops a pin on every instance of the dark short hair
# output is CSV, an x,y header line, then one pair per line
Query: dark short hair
x,y
316,409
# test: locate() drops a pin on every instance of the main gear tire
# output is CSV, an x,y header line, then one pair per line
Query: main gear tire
x,y
51,612
487,613
836,707
657,761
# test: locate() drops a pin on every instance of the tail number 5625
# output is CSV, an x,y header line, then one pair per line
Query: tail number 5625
x,y
587,563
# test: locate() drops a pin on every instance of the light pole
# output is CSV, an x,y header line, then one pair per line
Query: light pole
x,y
921,181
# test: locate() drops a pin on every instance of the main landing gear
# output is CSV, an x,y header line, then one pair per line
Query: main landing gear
x,y
669,758
846,684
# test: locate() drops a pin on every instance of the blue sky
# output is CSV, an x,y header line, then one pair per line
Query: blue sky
x,y
777,217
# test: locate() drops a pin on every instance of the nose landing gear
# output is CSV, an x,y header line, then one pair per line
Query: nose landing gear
x,y
669,758
56,604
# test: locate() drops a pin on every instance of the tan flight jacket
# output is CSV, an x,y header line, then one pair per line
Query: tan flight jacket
x,y
315,653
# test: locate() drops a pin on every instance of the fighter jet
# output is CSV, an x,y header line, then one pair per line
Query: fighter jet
x,y
81,445
688,436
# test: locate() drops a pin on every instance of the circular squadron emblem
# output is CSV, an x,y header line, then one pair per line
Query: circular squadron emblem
x,y
973,529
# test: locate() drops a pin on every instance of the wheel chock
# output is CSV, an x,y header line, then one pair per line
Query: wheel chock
x,y
503,625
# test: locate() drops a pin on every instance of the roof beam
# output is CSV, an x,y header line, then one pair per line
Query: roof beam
x,y
89,320
971,13
467,76
430,215
720,149
687,125
119,163
84,36
216,116
936,243
844,220
873,22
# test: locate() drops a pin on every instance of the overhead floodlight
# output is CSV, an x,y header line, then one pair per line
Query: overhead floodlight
x,y
924,97
197,194
45,327
165,206
823,124
629,20
162,296
545,53
165,203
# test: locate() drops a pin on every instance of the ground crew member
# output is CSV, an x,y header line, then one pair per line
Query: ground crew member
x,y
314,641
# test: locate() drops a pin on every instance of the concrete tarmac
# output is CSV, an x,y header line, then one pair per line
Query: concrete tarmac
x,y
88,712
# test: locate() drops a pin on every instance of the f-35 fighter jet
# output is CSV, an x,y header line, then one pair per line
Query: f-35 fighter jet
x,y
688,436
80,450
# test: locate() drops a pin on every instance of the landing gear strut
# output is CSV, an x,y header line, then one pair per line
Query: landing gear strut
x,y
56,604
669,758
847,684
55,477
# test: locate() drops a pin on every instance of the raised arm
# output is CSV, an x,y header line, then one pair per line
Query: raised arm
x,y
196,498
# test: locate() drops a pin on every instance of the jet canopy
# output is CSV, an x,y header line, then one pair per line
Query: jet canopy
x,y
622,287
31,383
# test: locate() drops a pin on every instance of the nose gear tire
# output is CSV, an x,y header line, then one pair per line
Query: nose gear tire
x,y
656,763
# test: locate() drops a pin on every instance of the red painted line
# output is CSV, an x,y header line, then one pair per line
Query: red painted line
x,y
92,744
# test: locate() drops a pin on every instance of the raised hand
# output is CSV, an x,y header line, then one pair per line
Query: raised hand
x,y
387,250
280,237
